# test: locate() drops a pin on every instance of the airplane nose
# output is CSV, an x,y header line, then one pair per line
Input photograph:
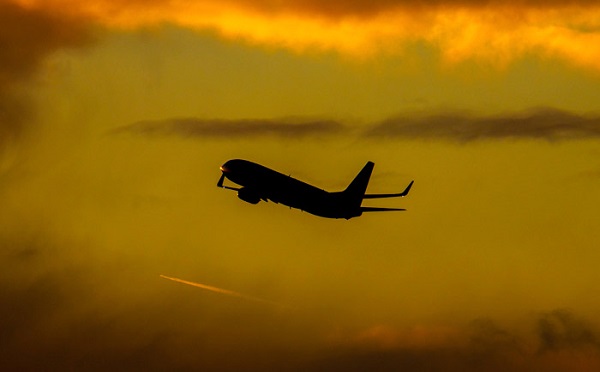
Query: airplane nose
x,y
225,168
230,166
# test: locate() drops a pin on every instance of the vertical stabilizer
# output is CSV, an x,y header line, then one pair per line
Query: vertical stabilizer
x,y
358,186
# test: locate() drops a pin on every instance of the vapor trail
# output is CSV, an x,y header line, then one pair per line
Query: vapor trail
x,y
222,291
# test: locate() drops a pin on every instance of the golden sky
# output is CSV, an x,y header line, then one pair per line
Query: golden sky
x,y
116,115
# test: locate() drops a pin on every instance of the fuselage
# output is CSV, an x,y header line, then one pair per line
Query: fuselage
x,y
261,183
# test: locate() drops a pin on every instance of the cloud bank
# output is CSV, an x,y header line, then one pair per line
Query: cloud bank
x,y
63,312
496,32
483,345
52,320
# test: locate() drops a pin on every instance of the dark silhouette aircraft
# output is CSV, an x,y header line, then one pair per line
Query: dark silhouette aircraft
x,y
261,183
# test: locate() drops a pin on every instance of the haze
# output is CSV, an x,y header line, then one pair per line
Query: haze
x,y
115,117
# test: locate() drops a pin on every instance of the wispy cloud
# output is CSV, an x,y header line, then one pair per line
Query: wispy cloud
x,y
218,128
547,124
539,124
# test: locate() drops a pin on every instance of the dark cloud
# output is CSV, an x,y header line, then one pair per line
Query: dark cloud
x,y
65,311
481,346
27,38
561,329
544,124
285,128
547,124
490,342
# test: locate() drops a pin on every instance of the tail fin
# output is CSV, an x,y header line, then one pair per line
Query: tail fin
x,y
357,188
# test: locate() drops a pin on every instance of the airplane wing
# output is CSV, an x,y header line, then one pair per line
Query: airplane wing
x,y
377,209
399,195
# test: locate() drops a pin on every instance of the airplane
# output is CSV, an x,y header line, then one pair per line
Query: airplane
x,y
261,183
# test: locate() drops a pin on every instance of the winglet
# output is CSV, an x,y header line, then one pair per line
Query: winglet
x,y
405,192
400,195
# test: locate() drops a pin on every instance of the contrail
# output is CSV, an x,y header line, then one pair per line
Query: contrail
x,y
222,291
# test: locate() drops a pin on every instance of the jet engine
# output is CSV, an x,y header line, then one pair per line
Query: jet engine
x,y
248,195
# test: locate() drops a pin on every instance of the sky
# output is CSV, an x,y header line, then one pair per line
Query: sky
x,y
118,251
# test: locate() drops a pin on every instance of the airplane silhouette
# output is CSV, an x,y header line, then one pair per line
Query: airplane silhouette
x,y
261,183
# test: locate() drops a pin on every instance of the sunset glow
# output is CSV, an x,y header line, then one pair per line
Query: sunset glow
x,y
116,116
496,34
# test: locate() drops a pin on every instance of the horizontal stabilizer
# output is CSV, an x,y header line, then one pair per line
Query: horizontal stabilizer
x,y
376,209
399,195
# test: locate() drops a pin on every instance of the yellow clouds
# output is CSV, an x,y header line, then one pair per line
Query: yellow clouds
x,y
499,35
496,33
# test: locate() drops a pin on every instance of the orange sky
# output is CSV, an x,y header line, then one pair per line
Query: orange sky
x,y
496,33
115,117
